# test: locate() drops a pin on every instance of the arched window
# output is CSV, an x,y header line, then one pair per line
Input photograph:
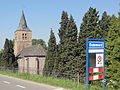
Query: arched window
x,y
37,65
23,36
27,59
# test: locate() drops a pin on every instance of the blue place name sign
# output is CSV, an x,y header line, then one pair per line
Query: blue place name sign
x,y
96,44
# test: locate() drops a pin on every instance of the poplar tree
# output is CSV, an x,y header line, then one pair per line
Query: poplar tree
x,y
71,39
104,23
1,58
8,54
50,55
62,45
113,53
63,25
88,29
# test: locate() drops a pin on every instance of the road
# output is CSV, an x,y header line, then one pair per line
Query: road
x,y
10,83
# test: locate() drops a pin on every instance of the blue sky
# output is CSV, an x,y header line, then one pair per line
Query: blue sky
x,y
41,15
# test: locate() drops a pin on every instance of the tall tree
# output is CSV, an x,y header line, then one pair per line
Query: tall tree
x,y
1,58
104,23
113,53
88,29
71,39
50,55
61,46
8,54
62,30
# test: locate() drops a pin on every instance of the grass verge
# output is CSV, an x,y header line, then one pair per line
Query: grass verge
x,y
68,84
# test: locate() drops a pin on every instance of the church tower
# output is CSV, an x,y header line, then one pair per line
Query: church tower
x,y
22,36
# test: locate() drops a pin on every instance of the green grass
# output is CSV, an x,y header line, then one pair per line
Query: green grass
x,y
68,84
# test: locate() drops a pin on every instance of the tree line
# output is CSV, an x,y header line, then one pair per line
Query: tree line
x,y
68,56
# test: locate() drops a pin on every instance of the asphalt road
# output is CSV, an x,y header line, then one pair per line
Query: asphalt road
x,y
10,83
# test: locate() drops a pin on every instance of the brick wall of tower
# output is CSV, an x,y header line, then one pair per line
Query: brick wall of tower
x,y
22,39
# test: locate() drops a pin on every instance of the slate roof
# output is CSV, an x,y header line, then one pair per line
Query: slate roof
x,y
23,23
35,50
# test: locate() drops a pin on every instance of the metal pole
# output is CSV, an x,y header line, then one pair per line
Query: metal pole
x,y
87,82
103,81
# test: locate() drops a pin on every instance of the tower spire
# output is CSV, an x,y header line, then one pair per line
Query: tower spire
x,y
22,23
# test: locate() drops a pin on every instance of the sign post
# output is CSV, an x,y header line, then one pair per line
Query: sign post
x,y
95,57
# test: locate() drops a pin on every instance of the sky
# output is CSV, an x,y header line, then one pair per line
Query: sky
x,y
42,15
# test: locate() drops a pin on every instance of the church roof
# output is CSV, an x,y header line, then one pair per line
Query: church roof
x,y
35,50
23,23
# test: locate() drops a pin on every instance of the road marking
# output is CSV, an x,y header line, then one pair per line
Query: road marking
x,y
20,86
59,89
6,82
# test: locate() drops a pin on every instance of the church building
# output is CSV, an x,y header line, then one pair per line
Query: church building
x,y
30,58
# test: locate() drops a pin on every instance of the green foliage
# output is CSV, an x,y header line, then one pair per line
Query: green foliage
x,y
1,58
113,53
39,41
7,55
62,30
103,24
88,29
50,55
70,46
1,51
67,54
61,55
